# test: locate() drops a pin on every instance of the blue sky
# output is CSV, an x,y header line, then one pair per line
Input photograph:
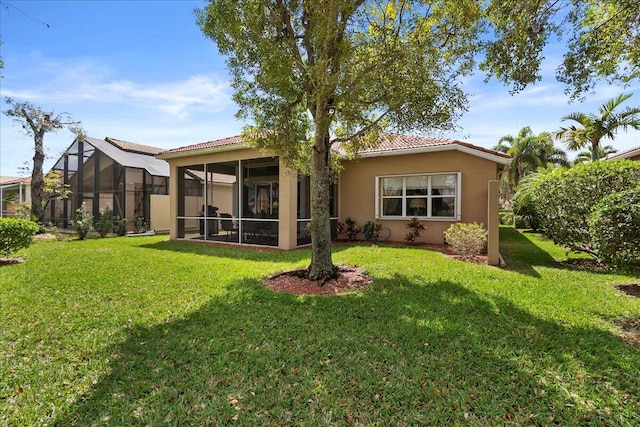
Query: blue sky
x,y
142,71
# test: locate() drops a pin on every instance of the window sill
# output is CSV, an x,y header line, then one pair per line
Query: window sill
x,y
421,218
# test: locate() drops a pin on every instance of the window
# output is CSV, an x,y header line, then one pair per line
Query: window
x,y
424,196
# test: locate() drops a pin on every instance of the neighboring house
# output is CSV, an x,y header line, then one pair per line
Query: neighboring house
x,y
631,154
13,191
440,181
125,176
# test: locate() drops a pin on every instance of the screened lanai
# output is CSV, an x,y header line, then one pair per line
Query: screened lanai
x,y
111,172
261,201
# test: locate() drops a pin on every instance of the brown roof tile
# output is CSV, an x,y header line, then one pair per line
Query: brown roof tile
x,y
134,148
14,180
389,143
625,154
232,140
392,142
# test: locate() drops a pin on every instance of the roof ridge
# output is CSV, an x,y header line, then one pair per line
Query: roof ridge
x,y
134,147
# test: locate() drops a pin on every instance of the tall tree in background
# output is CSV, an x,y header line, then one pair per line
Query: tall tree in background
x,y
592,128
529,152
37,123
309,74
586,156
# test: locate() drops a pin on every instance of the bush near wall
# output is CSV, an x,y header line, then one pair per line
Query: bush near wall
x,y
560,202
506,218
467,239
15,234
614,226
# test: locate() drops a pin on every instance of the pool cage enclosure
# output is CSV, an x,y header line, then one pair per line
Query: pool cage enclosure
x,y
250,212
108,172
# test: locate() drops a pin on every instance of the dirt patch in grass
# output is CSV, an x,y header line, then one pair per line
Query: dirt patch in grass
x,y
588,265
631,331
630,327
10,261
348,279
632,289
45,236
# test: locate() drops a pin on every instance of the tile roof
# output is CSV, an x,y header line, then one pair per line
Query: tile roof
x,y
14,180
626,154
392,143
388,144
134,148
232,140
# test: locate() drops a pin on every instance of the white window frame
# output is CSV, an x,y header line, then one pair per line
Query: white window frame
x,y
458,197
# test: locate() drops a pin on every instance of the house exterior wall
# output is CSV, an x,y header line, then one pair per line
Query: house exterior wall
x,y
160,218
357,195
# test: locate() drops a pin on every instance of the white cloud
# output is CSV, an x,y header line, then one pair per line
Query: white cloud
x,y
88,81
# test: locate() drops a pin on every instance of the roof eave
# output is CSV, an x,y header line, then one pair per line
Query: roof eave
x,y
448,147
200,151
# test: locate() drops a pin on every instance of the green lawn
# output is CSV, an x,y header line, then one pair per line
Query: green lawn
x,y
143,331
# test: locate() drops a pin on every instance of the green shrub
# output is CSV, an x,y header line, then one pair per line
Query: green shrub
x,y
371,230
15,234
84,222
614,227
104,225
348,228
507,218
416,226
120,226
521,222
139,225
524,204
560,202
466,239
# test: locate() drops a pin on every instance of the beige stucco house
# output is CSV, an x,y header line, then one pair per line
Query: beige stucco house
x,y
13,191
440,181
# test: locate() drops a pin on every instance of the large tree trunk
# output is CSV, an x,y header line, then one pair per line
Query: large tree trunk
x,y
321,267
37,178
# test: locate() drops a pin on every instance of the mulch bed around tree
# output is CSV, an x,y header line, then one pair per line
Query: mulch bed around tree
x,y
349,279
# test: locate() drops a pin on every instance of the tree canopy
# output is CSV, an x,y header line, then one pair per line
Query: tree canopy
x,y
604,43
309,74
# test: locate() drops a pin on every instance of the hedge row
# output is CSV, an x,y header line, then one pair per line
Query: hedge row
x,y
561,202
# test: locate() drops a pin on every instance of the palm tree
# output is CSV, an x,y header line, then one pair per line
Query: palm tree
x,y
585,156
592,128
529,152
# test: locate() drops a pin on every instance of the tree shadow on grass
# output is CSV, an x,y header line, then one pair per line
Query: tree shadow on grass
x,y
248,253
404,353
521,255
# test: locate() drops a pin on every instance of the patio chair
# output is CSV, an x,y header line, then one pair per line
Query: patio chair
x,y
228,224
